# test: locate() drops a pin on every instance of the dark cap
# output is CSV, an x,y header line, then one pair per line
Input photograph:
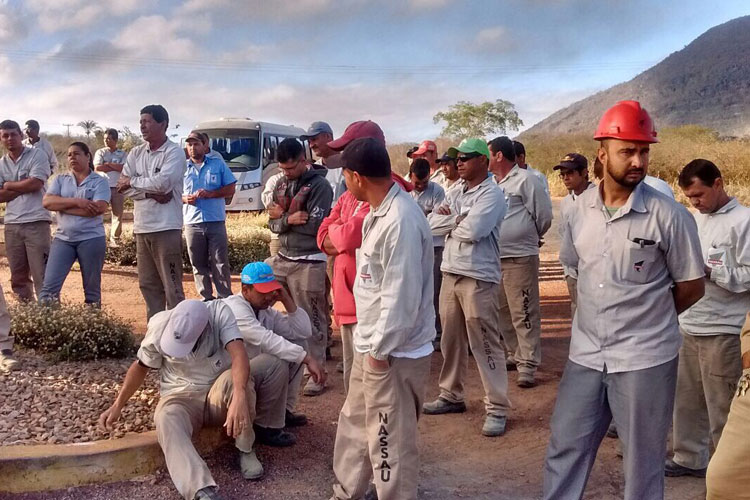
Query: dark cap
x,y
198,136
573,161
446,158
411,151
368,157
356,130
316,128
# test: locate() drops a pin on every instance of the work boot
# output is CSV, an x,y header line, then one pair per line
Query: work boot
x,y
208,493
525,380
441,406
510,364
612,431
673,469
494,425
340,367
313,389
294,419
273,437
8,362
250,466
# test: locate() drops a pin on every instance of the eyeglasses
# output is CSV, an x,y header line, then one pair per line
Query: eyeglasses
x,y
468,157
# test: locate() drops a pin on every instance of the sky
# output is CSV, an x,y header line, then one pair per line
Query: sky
x,y
397,62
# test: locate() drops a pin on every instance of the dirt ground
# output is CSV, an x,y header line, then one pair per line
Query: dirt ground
x,y
456,461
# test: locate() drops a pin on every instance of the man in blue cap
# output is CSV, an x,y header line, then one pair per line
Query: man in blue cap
x,y
273,338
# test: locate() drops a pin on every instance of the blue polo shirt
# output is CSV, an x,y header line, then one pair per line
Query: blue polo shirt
x,y
213,174
93,188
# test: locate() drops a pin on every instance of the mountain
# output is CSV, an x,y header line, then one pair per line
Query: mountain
x,y
707,83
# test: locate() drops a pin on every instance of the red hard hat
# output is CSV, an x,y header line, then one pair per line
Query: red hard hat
x,y
627,121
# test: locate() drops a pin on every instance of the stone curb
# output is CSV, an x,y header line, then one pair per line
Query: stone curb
x,y
27,468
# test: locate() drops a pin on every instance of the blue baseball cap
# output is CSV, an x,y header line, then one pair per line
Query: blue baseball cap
x,y
260,275
316,128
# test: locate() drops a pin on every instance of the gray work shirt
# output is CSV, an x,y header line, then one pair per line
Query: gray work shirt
x,y
566,206
75,227
106,155
472,245
28,206
49,151
626,318
199,370
529,214
428,200
725,241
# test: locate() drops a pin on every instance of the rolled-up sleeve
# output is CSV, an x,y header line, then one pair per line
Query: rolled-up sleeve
x,y
736,277
148,354
40,167
168,178
684,256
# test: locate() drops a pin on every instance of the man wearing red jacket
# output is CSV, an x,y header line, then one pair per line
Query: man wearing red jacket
x,y
340,235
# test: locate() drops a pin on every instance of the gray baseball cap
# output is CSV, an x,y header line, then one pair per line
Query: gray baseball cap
x,y
317,128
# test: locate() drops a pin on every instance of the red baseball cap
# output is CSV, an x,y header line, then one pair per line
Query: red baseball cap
x,y
358,130
424,147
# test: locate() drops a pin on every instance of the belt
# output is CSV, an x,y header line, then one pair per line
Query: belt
x,y
301,261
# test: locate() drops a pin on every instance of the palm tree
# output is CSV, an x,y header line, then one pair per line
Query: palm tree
x,y
88,126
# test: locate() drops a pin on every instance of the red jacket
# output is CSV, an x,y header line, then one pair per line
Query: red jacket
x,y
344,228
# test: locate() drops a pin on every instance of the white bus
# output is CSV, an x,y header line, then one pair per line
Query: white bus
x,y
249,149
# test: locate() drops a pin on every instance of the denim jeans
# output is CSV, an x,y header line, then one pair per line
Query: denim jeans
x,y
62,255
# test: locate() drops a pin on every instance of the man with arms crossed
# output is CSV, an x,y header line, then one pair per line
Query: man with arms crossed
x,y
639,265
108,162
377,429
34,140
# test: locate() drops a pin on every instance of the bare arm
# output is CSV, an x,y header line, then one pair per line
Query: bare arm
x,y
222,192
133,380
687,293
74,206
8,195
238,414
30,185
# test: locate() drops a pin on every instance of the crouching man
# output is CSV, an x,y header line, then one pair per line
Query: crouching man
x,y
205,380
274,341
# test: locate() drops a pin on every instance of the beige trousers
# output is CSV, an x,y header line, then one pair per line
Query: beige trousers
x,y
271,381
707,375
520,320
573,292
273,247
347,351
179,416
6,339
727,477
159,262
469,313
27,248
377,431
117,202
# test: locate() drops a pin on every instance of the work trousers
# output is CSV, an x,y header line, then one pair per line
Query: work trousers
x,y
573,292
181,415
6,339
707,375
209,255
347,351
469,310
273,246
727,477
437,277
640,402
307,284
159,261
117,204
377,430
520,319
27,248
271,381
329,297
90,256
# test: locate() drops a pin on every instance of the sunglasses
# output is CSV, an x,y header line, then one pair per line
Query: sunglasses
x,y
468,157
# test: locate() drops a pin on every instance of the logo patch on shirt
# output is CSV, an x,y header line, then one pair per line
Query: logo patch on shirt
x,y
364,274
716,258
638,266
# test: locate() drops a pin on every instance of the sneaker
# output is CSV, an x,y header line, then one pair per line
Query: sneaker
x,y
294,419
250,466
312,389
510,364
525,380
673,469
8,362
441,406
273,437
340,367
208,493
493,426
612,431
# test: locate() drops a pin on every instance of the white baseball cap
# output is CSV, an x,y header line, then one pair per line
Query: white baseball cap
x,y
186,324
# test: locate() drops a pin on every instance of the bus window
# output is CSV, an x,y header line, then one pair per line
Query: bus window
x,y
270,145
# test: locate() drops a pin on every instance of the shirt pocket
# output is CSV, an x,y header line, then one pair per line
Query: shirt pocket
x,y
85,193
213,179
367,275
638,262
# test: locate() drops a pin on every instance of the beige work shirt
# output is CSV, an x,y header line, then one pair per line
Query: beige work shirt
x,y
28,206
626,318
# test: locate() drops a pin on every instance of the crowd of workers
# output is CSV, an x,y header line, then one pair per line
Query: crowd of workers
x,y
445,259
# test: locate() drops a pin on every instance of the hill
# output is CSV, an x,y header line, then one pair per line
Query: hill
x,y
707,83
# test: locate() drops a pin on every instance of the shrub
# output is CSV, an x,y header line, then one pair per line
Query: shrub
x,y
71,332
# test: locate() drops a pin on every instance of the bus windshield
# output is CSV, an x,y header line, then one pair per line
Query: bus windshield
x,y
240,148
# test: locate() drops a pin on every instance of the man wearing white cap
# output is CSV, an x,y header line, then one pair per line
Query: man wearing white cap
x,y
204,379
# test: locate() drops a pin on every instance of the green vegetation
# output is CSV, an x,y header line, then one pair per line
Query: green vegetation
x,y
465,119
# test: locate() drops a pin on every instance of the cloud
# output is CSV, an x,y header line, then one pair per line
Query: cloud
x,y
428,4
278,9
493,41
57,15
12,25
155,37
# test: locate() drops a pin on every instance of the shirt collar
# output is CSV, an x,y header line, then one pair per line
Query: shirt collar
x,y
160,148
513,172
732,203
489,180
386,204
635,202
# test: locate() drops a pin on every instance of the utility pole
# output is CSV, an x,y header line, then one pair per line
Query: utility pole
x,y
68,125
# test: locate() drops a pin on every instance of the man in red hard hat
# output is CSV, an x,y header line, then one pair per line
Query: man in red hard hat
x,y
639,264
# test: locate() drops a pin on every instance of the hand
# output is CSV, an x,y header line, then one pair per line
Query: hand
x,y
108,418
328,246
541,242
460,218
443,210
202,193
379,365
297,218
275,211
317,372
189,199
160,198
123,183
238,416
90,207
104,167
